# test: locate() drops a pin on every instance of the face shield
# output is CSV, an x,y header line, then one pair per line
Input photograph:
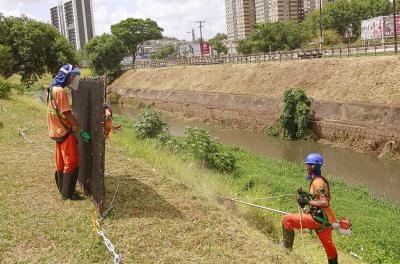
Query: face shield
x,y
75,82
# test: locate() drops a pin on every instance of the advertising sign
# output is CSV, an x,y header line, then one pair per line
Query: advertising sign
x,y
379,27
205,49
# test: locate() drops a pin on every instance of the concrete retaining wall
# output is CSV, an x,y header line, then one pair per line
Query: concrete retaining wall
x,y
330,119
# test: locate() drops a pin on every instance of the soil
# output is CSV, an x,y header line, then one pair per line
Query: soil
x,y
368,80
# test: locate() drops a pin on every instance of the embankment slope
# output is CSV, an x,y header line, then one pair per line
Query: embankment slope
x,y
367,80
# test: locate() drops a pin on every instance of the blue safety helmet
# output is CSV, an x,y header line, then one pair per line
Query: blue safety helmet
x,y
62,76
314,159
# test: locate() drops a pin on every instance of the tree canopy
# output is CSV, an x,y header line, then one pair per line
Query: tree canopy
x,y
280,35
218,44
32,48
133,32
104,54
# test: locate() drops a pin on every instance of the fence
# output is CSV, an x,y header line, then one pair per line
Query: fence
x,y
300,54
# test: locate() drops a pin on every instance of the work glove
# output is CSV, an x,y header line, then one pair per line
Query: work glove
x,y
85,136
303,200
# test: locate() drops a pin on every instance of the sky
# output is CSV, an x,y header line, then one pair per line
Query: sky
x,y
177,17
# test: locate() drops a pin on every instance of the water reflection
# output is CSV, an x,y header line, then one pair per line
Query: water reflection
x,y
379,176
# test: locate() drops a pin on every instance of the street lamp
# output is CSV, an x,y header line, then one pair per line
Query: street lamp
x,y
321,36
395,26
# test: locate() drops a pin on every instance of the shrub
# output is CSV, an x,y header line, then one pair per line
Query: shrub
x,y
294,118
199,143
149,125
5,87
272,130
171,143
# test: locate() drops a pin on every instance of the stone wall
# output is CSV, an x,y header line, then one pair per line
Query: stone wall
x,y
380,123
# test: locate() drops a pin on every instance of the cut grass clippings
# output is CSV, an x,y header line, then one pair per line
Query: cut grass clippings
x,y
157,219
375,222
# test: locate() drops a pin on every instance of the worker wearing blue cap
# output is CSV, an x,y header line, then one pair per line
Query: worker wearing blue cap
x,y
62,125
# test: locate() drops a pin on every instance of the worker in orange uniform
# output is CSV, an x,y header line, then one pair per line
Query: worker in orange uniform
x,y
320,217
62,125
108,120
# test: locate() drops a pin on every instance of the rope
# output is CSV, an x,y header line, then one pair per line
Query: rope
x,y
21,132
249,204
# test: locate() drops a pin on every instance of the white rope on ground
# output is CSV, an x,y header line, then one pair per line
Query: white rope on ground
x,y
21,132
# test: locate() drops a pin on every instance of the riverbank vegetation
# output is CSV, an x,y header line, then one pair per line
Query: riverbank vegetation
x,y
375,236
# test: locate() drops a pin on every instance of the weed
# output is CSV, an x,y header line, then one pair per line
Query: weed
x,y
150,124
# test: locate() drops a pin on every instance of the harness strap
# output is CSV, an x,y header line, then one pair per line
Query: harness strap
x,y
55,110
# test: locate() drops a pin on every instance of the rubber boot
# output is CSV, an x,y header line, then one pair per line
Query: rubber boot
x,y
288,238
59,175
69,184
333,261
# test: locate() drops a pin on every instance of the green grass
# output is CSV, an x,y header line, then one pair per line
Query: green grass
x,y
375,222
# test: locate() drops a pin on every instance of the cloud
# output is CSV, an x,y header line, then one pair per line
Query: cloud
x,y
177,17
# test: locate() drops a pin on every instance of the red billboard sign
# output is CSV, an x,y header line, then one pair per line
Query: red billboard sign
x,y
205,48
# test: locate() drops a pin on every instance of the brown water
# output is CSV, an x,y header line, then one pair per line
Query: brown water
x,y
381,177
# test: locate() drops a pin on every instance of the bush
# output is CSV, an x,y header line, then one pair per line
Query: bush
x,y
273,130
149,125
199,143
171,143
5,87
294,117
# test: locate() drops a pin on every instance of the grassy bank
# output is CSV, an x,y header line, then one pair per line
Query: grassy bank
x,y
375,222
157,219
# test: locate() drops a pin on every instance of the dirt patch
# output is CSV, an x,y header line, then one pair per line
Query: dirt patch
x,y
368,80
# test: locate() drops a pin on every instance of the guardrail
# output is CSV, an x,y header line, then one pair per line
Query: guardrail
x,y
301,54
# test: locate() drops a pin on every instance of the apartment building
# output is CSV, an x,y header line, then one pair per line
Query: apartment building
x,y
240,18
310,5
278,10
74,20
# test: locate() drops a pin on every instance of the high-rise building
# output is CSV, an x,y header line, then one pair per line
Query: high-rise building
x,y
310,5
74,20
240,18
278,10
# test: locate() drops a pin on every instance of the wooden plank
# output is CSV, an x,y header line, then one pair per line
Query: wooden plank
x,y
87,104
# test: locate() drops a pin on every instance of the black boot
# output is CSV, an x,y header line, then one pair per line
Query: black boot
x,y
288,238
333,261
69,184
59,179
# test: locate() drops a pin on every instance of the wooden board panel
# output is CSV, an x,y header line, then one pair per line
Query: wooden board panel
x,y
87,105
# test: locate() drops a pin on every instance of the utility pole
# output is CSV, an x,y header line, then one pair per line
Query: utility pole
x,y
395,26
321,36
201,36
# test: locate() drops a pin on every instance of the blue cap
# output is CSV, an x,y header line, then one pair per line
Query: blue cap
x,y
315,159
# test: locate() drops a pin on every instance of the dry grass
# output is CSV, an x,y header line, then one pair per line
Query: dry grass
x,y
370,80
157,220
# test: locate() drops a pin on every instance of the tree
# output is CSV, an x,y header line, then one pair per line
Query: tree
x,y
281,35
32,48
167,52
133,32
245,46
345,16
104,55
218,45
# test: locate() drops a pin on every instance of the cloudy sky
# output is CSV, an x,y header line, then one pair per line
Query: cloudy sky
x,y
177,17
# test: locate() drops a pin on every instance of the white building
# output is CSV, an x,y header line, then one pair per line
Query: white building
x,y
74,20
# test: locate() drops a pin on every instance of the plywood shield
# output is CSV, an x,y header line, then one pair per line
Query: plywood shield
x,y
87,105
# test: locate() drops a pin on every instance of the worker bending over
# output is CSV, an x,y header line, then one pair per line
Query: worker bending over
x,y
62,125
320,217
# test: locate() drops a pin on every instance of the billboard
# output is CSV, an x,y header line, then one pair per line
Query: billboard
x,y
379,27
205,49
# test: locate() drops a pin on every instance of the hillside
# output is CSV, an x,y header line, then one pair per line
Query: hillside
x,y
370,80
